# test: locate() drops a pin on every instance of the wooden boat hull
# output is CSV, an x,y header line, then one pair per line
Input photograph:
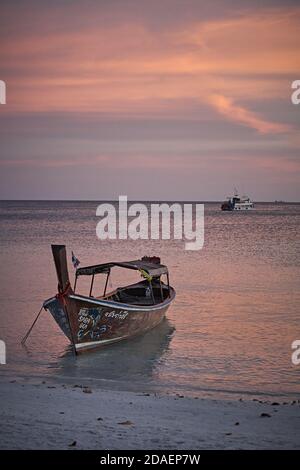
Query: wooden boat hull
x,y
92,323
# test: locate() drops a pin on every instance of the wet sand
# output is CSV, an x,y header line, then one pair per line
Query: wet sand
x,y
47,415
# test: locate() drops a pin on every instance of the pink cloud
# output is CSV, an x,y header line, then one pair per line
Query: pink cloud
x,y
241,115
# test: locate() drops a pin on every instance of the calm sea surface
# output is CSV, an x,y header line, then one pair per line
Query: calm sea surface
x,y
229,332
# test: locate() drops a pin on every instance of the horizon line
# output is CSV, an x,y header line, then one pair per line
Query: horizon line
x,y
278,201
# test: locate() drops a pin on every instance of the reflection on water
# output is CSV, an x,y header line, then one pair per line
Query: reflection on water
x,y
230,329
128,361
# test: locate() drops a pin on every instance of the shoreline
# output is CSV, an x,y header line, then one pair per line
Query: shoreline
x,y
152,387
49,415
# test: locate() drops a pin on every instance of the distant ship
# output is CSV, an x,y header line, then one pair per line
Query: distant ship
x,y
237,203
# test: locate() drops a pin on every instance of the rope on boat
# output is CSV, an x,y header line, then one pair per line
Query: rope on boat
x,y
30,329
145,275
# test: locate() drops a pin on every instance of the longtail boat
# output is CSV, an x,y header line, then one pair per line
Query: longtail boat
x,y
94,321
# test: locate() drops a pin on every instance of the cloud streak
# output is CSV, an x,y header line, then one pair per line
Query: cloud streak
x,y
241,115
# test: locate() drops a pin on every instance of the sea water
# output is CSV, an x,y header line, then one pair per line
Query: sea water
x,y
228,333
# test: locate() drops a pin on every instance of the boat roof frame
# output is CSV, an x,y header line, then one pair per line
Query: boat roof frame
x,y
152,269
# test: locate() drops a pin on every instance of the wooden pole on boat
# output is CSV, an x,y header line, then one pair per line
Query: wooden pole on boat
x,y
106,282
92,283
168,280
161,290
60,260
152,293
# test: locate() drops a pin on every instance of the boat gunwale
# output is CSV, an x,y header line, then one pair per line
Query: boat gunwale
x,y
123,306
119,305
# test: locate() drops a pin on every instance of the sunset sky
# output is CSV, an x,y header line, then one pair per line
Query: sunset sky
x,y
160,99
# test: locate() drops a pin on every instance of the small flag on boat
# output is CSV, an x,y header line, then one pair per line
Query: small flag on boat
x,y
75,261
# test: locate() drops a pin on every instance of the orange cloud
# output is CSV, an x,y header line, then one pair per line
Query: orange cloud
x,y
235,113
251,43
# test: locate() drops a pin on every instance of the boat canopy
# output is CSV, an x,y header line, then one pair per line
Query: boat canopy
x,y
153,269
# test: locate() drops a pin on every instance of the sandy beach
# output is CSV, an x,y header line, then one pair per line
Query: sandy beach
x,y
49,415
